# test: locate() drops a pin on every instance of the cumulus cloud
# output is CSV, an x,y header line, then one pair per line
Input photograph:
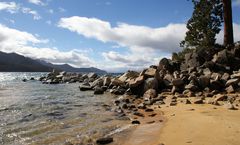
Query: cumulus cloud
x,y
35,14
36,2
236,32
11,7
12,40
132,36
146,45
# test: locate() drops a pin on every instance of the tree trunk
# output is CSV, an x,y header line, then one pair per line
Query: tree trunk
x,y
228,23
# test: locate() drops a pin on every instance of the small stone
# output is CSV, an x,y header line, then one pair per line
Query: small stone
x,y
230,89
230,106
173,104
150,122
148,110
106,140
138,114
152,115
198,101
136,122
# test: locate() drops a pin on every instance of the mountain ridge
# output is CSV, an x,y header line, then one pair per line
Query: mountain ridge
x,y
13,62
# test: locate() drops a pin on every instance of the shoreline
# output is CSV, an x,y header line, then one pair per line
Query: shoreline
x,y
187,124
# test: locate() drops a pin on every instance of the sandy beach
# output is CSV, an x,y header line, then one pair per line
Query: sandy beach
x,y
187,124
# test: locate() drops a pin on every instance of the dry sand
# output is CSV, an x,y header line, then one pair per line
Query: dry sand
x,y
189,125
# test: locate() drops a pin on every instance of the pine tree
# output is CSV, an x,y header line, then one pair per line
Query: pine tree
x,y
204,24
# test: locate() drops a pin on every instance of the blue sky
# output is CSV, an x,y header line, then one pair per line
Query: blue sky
x,y
115,35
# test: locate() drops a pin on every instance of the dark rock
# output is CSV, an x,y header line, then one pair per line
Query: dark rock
x,y
203,81
24,80
198,101
220,97
151,83
98,91
124,106
85,88
106,81
106,140
136,122
165,64
177,82
138,114
98,82
148,110
191,87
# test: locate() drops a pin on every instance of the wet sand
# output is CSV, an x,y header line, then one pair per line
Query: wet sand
x,y
186,125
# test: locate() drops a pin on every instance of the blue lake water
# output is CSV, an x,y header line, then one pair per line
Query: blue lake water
x,y
36,113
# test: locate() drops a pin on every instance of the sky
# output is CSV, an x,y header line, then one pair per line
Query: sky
x,y
114,35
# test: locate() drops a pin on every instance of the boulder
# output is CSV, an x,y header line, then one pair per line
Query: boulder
x,y
85,87
117,82
221,57
150,83
165,64
229,106
98,82
232,82
191,87
216,85
219,97
98,90
225,77
203,81
136,82
150,72
149,94
230,89
128,75
198,101
177,82
106,81
92,75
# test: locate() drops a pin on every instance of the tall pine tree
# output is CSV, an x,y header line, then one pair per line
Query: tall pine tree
x,y
204,24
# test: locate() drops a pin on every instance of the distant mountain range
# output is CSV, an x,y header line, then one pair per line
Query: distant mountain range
x,y
12,62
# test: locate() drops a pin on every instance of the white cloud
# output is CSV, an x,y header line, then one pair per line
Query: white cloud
x,y
36,2
236,32
12,40
135,37
35,14
146,45
11,7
